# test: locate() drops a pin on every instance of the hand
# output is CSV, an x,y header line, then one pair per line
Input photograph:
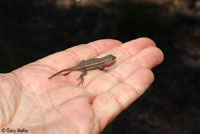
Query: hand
x,y
40,105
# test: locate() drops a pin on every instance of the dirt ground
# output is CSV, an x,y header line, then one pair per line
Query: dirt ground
x,y
33,29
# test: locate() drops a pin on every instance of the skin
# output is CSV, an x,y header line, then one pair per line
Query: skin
x,y
30,100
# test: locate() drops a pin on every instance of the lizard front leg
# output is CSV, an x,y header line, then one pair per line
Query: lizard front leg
x,y
102,68
84,72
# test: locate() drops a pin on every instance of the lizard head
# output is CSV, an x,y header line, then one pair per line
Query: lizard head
x,y
109,59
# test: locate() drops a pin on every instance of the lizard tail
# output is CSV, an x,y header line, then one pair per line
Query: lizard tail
x,y
69,69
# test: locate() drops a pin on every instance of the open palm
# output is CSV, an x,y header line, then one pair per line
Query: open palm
x,y
40,105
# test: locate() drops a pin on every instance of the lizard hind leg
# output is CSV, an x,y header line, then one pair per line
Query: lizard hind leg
x,y
84,72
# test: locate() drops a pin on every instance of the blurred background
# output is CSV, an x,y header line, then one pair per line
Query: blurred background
x,y
32,29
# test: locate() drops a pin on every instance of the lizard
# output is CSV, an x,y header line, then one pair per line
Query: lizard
x,y
90,64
